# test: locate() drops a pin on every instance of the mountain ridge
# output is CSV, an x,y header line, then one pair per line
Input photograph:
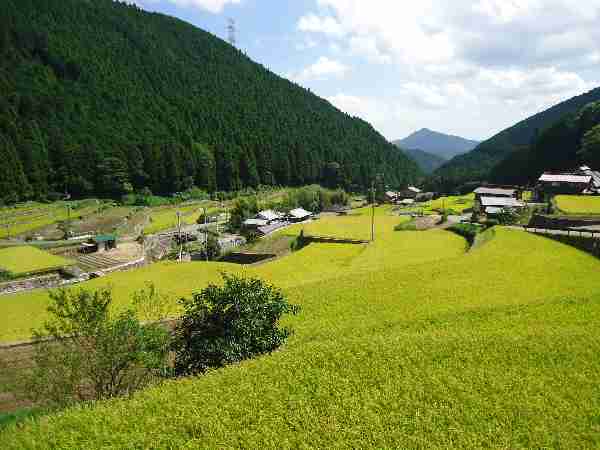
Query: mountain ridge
x,y
434,142
103,98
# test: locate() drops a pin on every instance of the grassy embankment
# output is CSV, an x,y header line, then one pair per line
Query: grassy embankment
x,y
407,342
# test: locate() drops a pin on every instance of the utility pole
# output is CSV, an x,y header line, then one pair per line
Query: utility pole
x,y
372,211
179,234
205,236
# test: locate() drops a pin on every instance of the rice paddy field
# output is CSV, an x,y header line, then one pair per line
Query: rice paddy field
x,y
19,261
409,342
30,217
166,218
578,204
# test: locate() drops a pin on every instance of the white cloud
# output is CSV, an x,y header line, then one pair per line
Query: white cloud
x,y
468,66
323,69
213,6
317,24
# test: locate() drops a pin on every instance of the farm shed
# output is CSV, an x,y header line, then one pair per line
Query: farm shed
x,y
576,182
410,192
268,229
484,204
105,242
495,192
254,223
391,196
299,215
269,215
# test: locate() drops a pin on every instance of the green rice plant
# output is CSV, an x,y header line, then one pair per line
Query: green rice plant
x,y
20,261
578,204
464,351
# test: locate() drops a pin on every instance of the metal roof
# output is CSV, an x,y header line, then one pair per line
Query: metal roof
x,y
300,213
407,201
255,222
501,201
495,191
269,215
414,189
565,178
105,238
274,226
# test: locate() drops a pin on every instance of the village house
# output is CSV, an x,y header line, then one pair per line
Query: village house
x,y
410,192
299,215
495,192
492,206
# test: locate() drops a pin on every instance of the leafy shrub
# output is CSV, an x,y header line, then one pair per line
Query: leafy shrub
x,y
228,324
87,354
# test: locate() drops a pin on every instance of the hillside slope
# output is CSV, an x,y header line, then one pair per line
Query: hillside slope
x,y
401,355
571,142
426,161
476,165
439,144
99,98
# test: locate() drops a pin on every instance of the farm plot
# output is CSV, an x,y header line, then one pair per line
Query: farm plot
x,y
466,351
33,217
166,218
578,204
22,261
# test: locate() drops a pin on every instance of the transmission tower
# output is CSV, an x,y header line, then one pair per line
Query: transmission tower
x,y
231,32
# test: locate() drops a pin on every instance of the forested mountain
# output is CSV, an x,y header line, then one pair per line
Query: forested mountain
x,y
568,144
100,97
477,164
440,144
427,162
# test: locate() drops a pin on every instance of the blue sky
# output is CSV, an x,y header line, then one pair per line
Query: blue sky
x,y
466,67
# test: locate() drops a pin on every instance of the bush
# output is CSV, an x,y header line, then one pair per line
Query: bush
x,y
86,354
228,324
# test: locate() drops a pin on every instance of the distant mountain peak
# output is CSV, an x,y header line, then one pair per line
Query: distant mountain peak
x,y
440,144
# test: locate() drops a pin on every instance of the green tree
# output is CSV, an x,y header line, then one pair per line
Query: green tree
x,y
85,352
230,323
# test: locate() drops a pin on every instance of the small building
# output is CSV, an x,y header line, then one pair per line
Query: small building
x,y
253,224
484,191
105,242
269,215
99,243
299,215
410,192
391,196
550,184
495,205
407,202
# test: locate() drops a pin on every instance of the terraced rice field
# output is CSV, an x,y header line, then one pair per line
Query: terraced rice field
x,y
166,218
578,204
20,261
92,263
28,218
407,342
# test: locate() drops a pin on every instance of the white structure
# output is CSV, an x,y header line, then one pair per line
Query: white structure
x,y
269,215
299,214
